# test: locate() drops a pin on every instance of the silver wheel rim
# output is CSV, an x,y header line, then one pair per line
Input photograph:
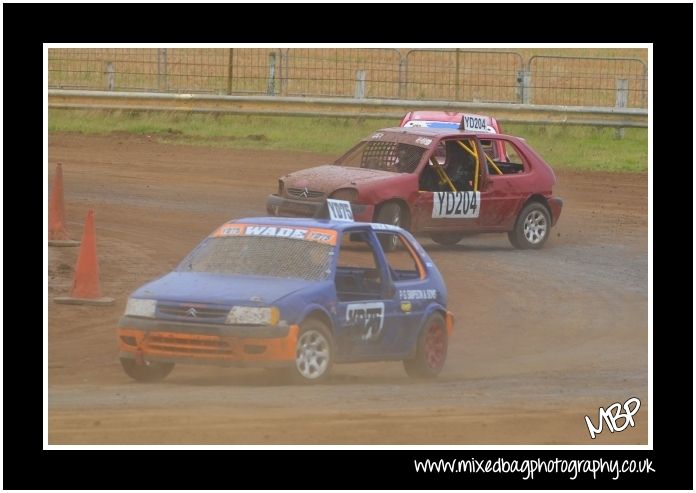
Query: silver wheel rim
x,y
535,227
395,222
397,217
312,355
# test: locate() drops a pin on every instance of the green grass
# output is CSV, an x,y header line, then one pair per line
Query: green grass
x,y
589,148
325,135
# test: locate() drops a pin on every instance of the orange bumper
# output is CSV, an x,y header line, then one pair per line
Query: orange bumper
x,y
211,349
449,323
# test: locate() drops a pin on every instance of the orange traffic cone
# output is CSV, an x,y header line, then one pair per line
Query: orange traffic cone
x,y
85,288
57,235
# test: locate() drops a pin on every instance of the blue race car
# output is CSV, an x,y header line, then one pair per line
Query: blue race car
x,y
301,294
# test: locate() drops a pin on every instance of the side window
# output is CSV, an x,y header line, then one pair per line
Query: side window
x,y
511,162
440,153
357,271
456,172
430,178
489,149
460,164
402,263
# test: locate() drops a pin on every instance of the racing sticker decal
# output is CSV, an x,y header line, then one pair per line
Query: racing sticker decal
x,y
455,205
368,318
320,235
377,135
417,294
431,124
423,141
280,232
230,231
390,227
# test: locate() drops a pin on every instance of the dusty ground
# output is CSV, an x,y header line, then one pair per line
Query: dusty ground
x,y
542,337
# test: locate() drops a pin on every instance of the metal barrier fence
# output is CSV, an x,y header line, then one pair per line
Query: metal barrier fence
x,y
378,73
352,72
576,81
458,75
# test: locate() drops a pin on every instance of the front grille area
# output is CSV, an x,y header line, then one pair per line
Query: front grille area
x,y
193,313
187,344
303,193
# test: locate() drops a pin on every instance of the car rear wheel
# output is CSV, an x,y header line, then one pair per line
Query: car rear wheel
x,y
532,227
148,371
431,349
313,353
447,239
389,213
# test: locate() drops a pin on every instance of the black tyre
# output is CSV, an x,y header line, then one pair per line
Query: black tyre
x,y
447,239
389,213
532,227
431,349
314,353
150,371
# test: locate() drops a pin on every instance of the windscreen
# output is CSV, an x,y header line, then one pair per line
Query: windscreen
x,y
261,256
384,156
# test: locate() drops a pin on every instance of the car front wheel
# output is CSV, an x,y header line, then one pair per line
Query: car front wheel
x,y
148,371
313,353
389,213
431,349
532,227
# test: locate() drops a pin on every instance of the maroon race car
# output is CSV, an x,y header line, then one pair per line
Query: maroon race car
x,y
445,182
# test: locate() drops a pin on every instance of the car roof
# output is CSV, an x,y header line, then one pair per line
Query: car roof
x,y
306,222
431,131
450,116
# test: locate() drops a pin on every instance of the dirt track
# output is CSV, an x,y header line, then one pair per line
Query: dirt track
x,y
542,338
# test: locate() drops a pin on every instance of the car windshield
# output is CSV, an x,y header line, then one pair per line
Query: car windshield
x,y
261,256
383,155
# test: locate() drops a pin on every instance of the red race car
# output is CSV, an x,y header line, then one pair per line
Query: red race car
x,y
445,182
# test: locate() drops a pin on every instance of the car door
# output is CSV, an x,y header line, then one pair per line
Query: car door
x,y
445,203
504,193
412,294
367,310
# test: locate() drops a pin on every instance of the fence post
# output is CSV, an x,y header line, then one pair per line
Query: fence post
x,y
402,76
621,102
162,69
644,87
524,86
456,77
110,76
359,84
281,69
271,73
230,70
